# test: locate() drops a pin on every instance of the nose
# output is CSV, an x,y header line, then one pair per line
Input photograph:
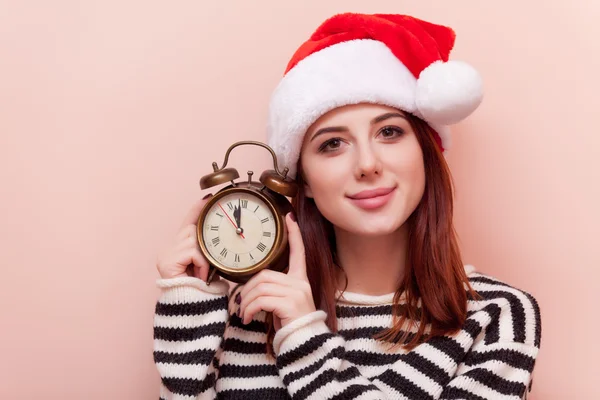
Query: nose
x,y
368,162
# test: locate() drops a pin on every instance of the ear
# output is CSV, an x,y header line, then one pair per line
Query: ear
x,y
307,190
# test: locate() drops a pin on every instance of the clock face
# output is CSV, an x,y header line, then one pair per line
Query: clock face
x,y
239,230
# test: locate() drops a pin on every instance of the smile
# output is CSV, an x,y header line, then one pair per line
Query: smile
x,y
372,199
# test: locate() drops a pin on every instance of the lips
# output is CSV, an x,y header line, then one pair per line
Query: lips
x,y
367,194
372,199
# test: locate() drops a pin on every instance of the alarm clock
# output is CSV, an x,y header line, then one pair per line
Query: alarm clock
x,y
241,229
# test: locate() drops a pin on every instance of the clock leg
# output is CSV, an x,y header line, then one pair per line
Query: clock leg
x,y
211,274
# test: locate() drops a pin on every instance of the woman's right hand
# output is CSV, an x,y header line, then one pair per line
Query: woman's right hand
x,y
182,257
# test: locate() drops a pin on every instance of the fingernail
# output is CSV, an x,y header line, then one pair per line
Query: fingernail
x,y
238,299
207,196
292,216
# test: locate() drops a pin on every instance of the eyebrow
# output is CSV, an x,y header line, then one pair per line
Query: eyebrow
x,y
374,121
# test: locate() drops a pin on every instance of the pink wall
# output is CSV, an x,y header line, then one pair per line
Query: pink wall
x,y
111,111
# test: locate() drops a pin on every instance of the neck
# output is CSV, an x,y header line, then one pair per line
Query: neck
x,y
374,265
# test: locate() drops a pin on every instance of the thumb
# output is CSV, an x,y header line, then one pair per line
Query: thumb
x,y
297,267
194,212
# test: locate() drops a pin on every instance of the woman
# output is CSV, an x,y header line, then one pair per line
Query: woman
x,y
376,303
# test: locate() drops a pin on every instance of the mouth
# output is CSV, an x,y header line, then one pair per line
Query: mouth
x,y
368,194
372,199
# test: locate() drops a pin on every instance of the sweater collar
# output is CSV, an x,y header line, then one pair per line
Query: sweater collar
x,y
351,298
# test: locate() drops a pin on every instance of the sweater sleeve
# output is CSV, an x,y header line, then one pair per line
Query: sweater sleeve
x,y
500,370
501,361
313,361
189,324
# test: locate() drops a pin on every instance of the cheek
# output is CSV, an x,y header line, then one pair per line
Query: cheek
x,y
411,178
418,186
326,179
404,163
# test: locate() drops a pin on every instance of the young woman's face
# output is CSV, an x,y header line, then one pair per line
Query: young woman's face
x,y
357,148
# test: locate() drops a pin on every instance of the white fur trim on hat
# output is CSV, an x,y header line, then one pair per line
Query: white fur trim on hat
x,y
349,72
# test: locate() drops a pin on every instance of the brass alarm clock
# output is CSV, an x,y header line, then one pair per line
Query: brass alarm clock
x,y
241,229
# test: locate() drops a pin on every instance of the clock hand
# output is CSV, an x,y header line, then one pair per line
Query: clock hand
x,y
230,220
236,215
239,214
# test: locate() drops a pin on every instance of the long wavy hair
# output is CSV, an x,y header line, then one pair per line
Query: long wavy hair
x,y
434,288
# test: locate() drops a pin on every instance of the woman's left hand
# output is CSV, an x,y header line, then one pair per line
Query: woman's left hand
x,y
287,296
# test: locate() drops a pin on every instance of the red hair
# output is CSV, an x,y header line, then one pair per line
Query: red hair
x,y
435,283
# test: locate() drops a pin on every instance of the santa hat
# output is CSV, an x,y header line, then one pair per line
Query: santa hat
x,y
388,59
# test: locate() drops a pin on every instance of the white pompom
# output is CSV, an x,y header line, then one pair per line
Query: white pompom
x,y
448,92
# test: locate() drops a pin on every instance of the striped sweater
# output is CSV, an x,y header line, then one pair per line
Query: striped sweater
x,y
203,351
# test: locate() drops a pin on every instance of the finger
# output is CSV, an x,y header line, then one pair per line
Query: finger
x,y
187,239
194,212
203,272
201,263
297,267
185,246
264,303
265,276
262,289
187,231
197,272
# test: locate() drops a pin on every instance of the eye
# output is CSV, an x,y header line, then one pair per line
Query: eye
x,y
391,132
330,145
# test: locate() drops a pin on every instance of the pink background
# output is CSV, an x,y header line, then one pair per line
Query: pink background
x,y
110,111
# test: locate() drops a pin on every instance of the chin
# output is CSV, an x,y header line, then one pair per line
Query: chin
x,y
370,224
376,228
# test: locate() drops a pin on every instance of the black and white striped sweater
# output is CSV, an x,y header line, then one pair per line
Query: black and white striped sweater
x,y
203,351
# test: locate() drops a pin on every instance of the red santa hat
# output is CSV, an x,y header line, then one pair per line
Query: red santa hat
x,y
388,59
